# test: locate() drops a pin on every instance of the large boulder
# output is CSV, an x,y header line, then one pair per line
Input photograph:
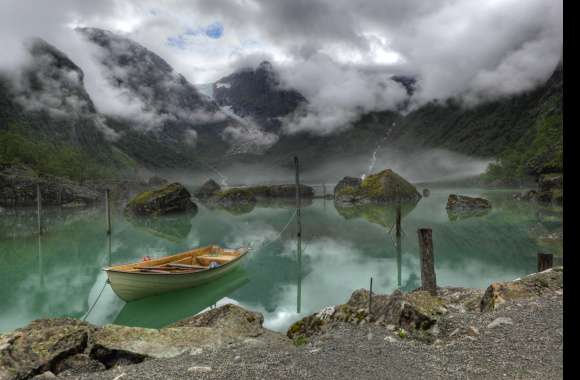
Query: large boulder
x,y
172,198
464,203
69,347
41,346
415,312
208,189
18,186
229,316
383,187
531,286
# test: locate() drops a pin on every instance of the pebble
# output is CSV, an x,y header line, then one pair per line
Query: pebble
x,y
500,321
198,368
390,339
454,332
472,331
390,327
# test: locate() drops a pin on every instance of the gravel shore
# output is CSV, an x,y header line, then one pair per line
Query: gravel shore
x,y
525,344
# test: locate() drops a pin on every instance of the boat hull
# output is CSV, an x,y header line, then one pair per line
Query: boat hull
x,y
131,286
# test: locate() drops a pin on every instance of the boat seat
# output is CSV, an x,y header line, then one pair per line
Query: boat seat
x,y
206,260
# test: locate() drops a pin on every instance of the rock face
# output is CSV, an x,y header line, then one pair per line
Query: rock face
x,y
464,203
18,188
71,347
208,189
383,187
534,285
257,93
415,312
170,199
551,188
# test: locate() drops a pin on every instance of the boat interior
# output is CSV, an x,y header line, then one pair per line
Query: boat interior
x,y
196,260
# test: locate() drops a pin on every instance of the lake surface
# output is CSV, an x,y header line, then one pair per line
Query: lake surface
x,y
59,273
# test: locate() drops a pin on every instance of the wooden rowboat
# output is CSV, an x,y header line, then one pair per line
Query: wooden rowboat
x,y
184,270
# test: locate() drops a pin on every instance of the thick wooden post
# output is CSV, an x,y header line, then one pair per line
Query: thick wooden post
x,y
545,261
398,221
428,280
108,211
38,208
298,234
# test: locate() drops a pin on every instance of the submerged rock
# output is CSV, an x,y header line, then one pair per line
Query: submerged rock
x,y
385,186
170,199
464,203
208,189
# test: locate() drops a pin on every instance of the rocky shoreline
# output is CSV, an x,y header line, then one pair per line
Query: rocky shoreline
x,y
511,329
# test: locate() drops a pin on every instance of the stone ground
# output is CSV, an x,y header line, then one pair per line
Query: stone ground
x,y
527,346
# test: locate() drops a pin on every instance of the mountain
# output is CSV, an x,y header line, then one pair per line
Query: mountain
x,y
257,94
48,120
176,124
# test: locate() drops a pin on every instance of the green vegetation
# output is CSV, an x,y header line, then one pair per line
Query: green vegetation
x,y
538,153
50,157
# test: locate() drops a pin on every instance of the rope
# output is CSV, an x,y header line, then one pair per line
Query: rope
x,y
278,236
96,300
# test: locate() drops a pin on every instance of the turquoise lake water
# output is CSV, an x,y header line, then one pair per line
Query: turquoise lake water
x,y
60,273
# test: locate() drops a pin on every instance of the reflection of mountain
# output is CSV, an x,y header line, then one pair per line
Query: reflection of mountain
x,y
172,228
164,309
381,214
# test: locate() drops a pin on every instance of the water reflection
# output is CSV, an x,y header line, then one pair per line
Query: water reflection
x,y
171,307
60,273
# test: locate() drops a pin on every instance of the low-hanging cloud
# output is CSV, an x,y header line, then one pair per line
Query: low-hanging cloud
x,y
339,53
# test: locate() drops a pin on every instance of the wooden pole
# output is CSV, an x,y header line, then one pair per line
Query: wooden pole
x,y
371,296
399,261
428,279
298,234
108,211
39,208
545,261
398,221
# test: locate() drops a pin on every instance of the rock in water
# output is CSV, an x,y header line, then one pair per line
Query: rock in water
x,y
208,189
461,202
382,187
170,199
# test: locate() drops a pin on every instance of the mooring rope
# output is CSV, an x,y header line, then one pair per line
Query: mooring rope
x,y
278,235
96,300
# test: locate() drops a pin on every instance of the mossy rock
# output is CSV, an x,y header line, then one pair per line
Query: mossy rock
x,y
383,187
170,199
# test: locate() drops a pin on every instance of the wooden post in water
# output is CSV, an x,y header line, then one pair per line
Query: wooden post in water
x,y
108,211
39,208
298,233
545,261
398,221
428,280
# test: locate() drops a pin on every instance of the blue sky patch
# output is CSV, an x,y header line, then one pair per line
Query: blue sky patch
x,y
214,30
